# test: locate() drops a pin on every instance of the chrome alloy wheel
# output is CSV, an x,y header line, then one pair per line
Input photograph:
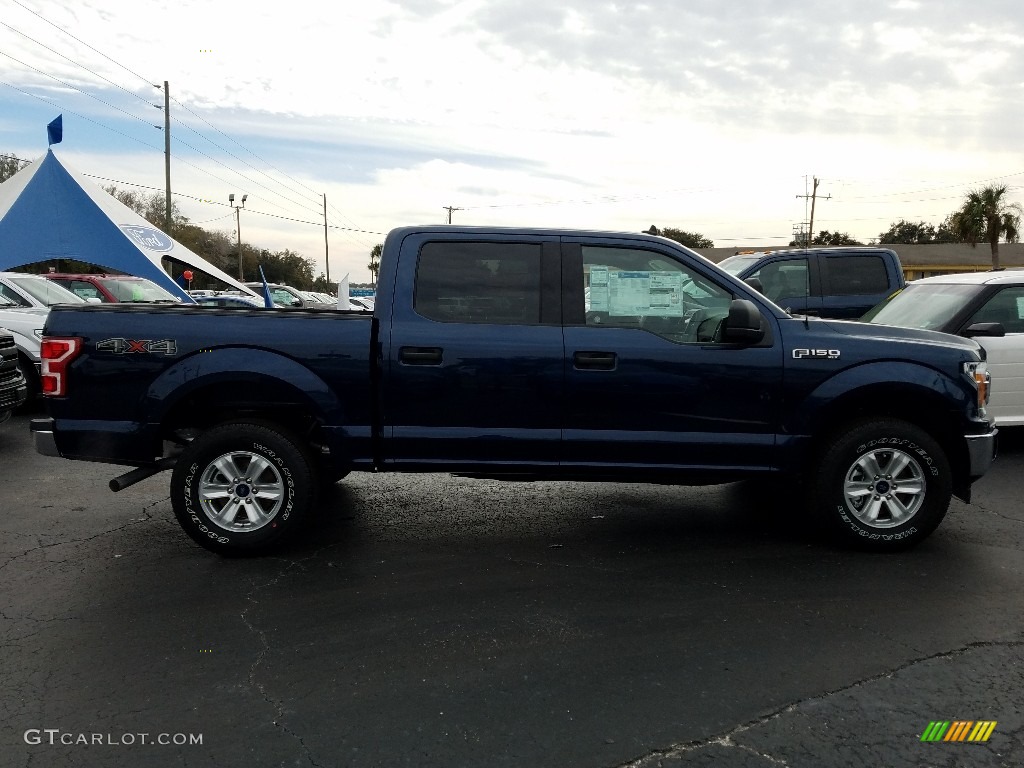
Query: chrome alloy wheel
x,y
885,488
241,491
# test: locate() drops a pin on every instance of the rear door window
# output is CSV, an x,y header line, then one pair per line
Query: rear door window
x,y
474,282
855,275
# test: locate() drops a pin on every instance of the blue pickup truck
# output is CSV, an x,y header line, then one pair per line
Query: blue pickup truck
x,y
842,282
520,353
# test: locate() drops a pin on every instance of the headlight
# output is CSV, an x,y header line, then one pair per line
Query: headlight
x,y
982,379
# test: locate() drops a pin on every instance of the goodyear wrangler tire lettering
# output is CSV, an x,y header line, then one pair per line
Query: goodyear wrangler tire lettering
x,y
242,488
881,484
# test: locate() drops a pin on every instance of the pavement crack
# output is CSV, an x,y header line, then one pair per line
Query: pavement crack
x,y
726,739
147,516
985,509
277,705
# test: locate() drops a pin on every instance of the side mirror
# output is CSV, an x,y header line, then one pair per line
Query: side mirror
x,y
755,283
744,324
984,329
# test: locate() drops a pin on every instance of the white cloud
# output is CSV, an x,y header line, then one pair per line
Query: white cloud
x,y
700,115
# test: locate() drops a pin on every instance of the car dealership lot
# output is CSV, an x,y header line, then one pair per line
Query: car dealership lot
x,y
443,621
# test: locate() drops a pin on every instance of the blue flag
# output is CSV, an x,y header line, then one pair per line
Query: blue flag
x,y
267,301
55,130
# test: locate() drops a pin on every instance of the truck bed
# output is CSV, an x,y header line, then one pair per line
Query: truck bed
x,y
139,375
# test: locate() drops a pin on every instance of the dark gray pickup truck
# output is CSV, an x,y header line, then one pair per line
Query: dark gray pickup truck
x,y
842,282
13,388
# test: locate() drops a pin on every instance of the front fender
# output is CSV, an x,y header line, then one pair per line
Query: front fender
x,y
883,384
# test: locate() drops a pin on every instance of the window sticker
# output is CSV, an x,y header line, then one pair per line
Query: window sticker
x,y
1020,307
645,293
598,289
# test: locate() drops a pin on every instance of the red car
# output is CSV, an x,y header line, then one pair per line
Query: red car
x,y
113,288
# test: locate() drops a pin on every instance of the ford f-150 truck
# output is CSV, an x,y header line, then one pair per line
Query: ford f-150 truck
x,y
842,282
520,354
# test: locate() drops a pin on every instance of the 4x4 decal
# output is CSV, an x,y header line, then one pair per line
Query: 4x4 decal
x,y
131,346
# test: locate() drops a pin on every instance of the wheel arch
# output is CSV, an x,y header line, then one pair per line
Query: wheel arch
x,y
908,392
238,384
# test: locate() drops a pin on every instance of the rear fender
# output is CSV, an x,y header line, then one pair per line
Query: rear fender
x,y
247,369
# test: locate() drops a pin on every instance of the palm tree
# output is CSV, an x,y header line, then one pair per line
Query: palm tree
x,y
985,215
374,265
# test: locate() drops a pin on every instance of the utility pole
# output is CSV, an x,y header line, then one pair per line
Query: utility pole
x,y
813,198
167,152
327,256
238,229
450,208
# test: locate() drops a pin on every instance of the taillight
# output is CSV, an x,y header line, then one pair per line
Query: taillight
x,y
56,354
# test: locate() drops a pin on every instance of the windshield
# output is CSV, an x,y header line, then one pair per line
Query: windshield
x,y
46,291
137,289
736,264
930,306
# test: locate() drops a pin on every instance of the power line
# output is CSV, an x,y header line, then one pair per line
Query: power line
x,y
79,90
83,117
108,58
79,64
186,108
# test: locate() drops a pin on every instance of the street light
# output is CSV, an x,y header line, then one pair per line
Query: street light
x,y
238,228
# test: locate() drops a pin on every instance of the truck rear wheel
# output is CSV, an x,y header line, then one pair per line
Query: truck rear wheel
x,y
882,485
242,488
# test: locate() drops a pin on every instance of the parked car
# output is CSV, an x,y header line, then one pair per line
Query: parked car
x,y
841,282
230,300
986,306
114,288
26,324
286,296
13,389
28,290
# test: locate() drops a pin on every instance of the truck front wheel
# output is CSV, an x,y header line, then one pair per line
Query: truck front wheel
x,y
242,488
882,484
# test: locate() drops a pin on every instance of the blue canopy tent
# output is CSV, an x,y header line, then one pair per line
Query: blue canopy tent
x,y
50,211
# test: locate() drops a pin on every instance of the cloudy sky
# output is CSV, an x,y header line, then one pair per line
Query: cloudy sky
x,y
704,115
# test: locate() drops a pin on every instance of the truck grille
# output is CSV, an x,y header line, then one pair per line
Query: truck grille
x,y
12,381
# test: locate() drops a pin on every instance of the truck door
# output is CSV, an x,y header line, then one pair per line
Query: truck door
x,y
852,283
791,281
649,382
473,364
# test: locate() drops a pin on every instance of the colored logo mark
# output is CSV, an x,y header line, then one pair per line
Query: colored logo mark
x,y
148,237
959,730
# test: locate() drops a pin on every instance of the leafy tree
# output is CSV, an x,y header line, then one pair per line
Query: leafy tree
x,y
829,238
986,215
10,165
917,232
374,265
151,207
689,239
908,232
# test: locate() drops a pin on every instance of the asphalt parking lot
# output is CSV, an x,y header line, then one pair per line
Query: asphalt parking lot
x,y
438,621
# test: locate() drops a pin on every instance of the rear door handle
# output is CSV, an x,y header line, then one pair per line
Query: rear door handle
x,y
420,355
594,361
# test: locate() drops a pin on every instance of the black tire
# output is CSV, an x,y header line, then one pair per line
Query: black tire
x,y
882,485
274,487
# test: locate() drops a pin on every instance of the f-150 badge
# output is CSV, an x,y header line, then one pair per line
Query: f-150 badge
x,y
131,346
826,354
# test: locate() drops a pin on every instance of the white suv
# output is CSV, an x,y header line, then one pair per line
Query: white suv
x,y
28,290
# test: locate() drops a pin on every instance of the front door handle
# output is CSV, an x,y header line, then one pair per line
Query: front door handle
x,y
420,355
594,361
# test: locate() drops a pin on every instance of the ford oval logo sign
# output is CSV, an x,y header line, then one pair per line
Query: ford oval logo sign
x,y
148,237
